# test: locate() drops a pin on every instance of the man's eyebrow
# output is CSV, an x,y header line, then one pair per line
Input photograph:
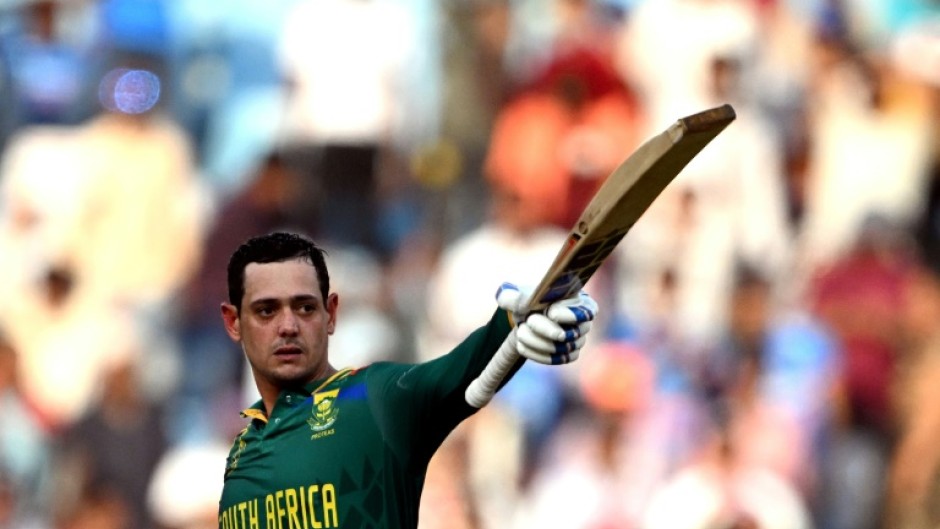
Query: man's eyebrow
x,y
263,301
293,299
304,297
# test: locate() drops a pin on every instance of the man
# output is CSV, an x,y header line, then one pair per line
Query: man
x,y
349,448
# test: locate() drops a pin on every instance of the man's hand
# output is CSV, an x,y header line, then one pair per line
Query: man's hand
x,y
554,336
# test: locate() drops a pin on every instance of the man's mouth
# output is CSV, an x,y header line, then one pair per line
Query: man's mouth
x,y
288,351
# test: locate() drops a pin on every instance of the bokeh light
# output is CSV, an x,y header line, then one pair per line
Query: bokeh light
x,y
129,91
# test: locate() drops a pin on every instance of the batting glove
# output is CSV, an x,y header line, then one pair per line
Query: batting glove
x,y
554,336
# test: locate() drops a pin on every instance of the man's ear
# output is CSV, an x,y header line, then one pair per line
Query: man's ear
x,y
231,321
332,304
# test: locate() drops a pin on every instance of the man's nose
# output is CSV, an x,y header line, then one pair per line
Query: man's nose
x,y
288,324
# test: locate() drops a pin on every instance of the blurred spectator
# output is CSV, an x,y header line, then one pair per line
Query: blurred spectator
x,y
65,338
599,458
780,66
757,463
139,34
144,219
51,64
343,62
926,230
12,515
67,322
587,24
914,49
874,23
861,298
114,448
228,85
667,48
43,205
566,132
728,204
867,120
797,158
926,226
589,473
552,56
268,202
447,499
114,201
777,86
186,485
772,382
25,465
475,80
718,490
99,509
372,332
915,464
677,412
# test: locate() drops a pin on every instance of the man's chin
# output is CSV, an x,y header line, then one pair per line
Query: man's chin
x,y
291,377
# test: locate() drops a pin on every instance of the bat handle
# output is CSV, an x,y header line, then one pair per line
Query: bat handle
x,y
481,390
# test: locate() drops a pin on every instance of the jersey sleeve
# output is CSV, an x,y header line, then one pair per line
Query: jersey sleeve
x,y
426,400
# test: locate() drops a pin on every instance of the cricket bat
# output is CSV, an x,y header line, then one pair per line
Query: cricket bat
x,y
623,197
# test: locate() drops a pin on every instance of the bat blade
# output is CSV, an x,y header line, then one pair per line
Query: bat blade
x,y
623,198
616,206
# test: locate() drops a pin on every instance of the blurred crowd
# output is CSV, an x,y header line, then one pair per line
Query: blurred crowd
x,y
768,353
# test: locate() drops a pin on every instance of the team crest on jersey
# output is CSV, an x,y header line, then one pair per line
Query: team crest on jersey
x,y
323,414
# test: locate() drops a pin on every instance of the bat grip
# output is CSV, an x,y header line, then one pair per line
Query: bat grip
x,y
481,390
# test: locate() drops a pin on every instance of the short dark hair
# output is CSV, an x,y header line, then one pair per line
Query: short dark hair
x,y
274,248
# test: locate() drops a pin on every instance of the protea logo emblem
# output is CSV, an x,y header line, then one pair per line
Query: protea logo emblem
x,y
323,414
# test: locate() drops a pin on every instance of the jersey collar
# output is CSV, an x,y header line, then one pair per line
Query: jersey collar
x,y
256,410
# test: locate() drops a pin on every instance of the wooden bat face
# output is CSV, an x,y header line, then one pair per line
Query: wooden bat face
x,y
623,198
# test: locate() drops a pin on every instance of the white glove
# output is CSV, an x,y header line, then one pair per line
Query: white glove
x,y
554,336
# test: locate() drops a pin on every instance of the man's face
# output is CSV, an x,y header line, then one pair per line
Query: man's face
x,y
284,323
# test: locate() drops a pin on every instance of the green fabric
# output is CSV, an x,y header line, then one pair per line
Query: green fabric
x,y
353,454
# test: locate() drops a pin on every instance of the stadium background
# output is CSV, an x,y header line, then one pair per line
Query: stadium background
x,y
768,350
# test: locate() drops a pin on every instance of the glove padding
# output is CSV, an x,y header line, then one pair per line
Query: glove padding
x,y
554,336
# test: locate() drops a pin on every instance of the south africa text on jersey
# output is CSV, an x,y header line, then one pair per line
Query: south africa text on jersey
x,y
312,507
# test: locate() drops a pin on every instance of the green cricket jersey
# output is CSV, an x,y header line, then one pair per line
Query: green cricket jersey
x,y
351,451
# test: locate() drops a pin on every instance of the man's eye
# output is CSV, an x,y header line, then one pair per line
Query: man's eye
x,y
308,308
265,311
